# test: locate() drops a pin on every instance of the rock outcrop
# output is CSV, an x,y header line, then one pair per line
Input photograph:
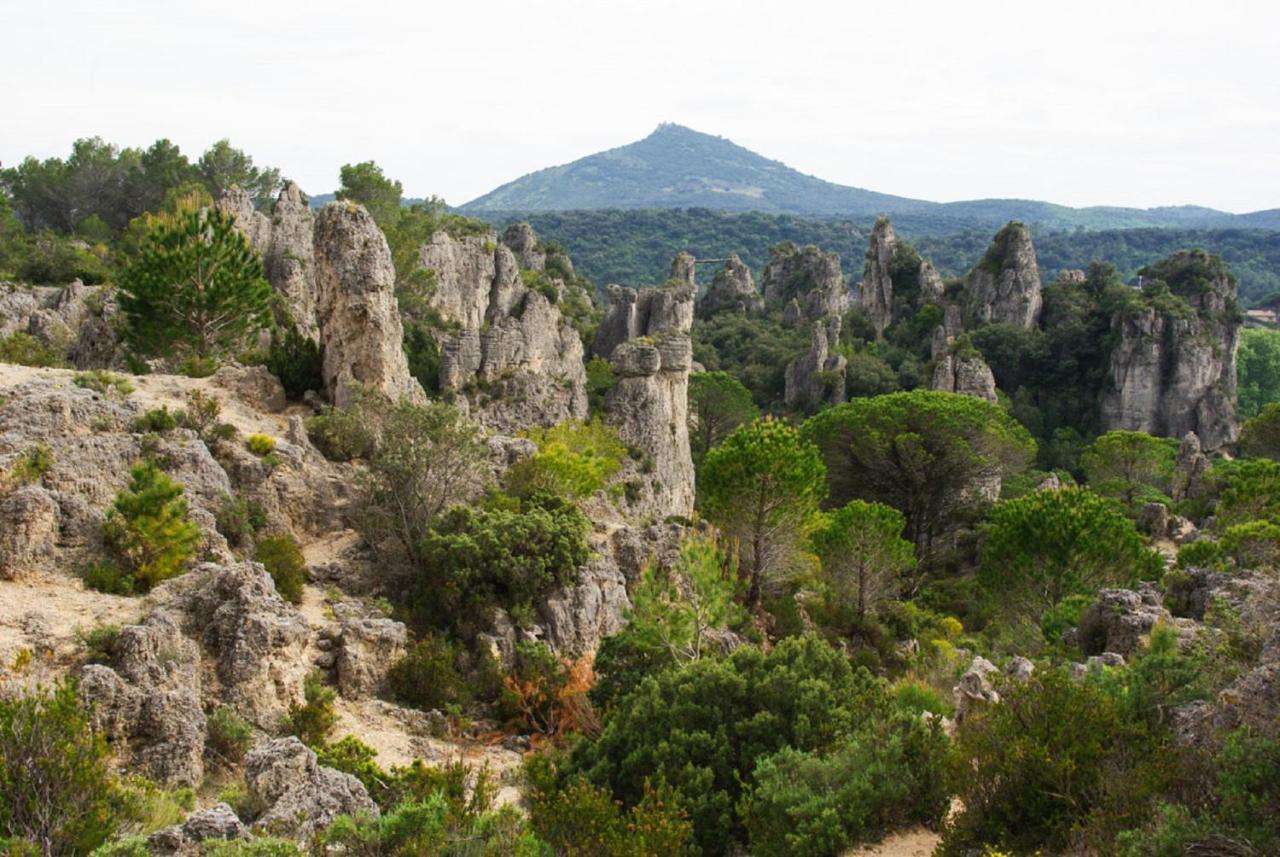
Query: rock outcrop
x,y
365,647
1190,469
356,309
645,334
521,240
818,376
217,823
285,239
684,270
960,369
733,289
1173,370
875,295
300,795
808,276
1004,286
507,352
76,322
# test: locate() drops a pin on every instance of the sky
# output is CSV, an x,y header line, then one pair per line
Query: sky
x,y
1126,102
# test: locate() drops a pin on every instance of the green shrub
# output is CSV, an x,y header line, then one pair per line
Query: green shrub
x,y
427,676
1202,553
156,420
582,818
100,644
341,434
198,367
312,721
296,360
916,697
500,554
239,519
147,528
104,382
285,563
106,576
262,846
57,786
24,349
352,756
228,736
31,465
574,460
200,415
1067,613
261,445
704,727
600,381
809,804
436,826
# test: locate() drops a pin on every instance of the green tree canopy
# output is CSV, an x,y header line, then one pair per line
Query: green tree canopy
x,y
196,287
922,452
762,487
718,404
1258,369
864,555
1130,466
1047,545
222,166
1260,435
366,184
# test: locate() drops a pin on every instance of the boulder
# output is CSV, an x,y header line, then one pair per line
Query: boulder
x,y
218,822
367,644
356,310
300,796
255,385
29,535
258,641
975,687
1120,621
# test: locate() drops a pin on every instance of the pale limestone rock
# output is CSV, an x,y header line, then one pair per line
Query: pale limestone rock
x,y
285,240
301,796
875,296
959,371
523,242
356,310
807,275
367,644
818,376
29,519
1005,286
1174,372
732,290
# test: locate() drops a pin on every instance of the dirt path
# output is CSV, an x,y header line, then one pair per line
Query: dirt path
x,y
917,842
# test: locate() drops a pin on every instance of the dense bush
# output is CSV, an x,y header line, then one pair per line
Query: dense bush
x,y
147,528
296,360
57,792
428,675
574,460
228,736
312,721
703,728
580,818
283,559
505,553
1048,545
24,349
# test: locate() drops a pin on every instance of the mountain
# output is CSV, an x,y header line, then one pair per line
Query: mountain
x,y
677,167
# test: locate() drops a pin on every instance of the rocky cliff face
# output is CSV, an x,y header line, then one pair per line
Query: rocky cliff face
x,y
356,310
818,376
807,275
1173,369
507,353
645,334
1005,285
875,295
733,289
76,320
286,241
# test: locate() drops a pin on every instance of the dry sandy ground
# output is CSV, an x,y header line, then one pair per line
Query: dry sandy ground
x,y
917,842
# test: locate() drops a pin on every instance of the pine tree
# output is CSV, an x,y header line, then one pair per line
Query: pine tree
x,y
196,287
148,528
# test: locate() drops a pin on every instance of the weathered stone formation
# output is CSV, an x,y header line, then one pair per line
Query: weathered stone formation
x,y
732,290
286,242
875,296
1173,370
932,289
299,794
1190,469
76,320
1005,285
356,310
521,240
808,276
960,369
645,333
684,270
508,354
818,376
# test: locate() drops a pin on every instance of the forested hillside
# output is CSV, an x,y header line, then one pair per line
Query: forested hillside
x,y
636,246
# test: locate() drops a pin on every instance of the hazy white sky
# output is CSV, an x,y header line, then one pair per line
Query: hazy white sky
x,y
1127,102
